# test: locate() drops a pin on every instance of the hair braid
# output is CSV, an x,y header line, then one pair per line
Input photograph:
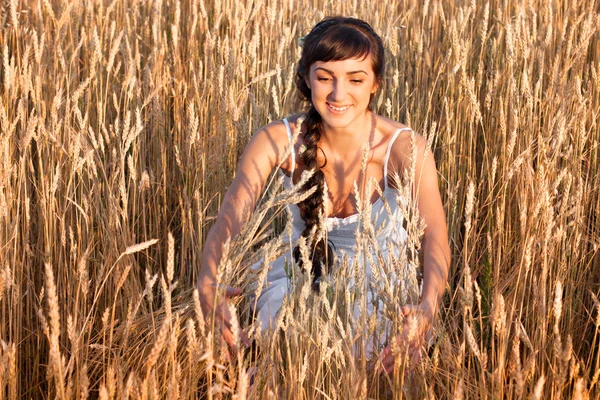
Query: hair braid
x,y
312,206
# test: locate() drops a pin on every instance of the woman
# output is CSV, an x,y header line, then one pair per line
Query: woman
x,y
341,68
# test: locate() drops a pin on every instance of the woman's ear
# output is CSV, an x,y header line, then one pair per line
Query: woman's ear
x,y
375,87
307,81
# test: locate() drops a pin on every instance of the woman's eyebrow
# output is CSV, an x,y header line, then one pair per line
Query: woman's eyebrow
x,y
347,73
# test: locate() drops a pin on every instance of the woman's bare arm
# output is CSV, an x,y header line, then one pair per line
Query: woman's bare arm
x,y
435,248
436,251
261,156
425,189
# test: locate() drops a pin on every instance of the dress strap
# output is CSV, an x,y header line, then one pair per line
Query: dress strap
x,y
387,155
291,139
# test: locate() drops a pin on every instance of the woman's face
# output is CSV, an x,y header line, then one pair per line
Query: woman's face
x,y
341,90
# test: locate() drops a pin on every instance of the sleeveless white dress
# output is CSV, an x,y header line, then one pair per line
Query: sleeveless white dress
x,y
389,234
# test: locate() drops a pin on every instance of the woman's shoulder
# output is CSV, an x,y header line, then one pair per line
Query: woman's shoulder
x,y
295,122
403,137
275,137
388,127
278,129
275,132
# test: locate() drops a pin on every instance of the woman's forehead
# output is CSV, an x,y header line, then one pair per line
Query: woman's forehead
x,y
345,66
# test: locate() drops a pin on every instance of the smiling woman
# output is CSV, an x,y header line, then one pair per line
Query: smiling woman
x,y
342,90
341,68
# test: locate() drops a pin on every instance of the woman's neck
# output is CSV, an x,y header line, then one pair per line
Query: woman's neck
x,y
351,138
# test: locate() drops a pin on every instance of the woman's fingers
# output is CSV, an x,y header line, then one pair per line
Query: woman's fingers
x,y
245,338
229,291
388,364
221,313
383,362
409,346
225,316
415,356
407,310
229,337
410,341
232,291
387,361
222,308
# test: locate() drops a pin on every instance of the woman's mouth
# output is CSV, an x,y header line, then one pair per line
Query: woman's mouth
x,y
338,109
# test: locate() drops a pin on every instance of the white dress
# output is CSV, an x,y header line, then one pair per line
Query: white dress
x,y
389,235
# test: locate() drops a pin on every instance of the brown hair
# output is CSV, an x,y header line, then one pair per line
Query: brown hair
x,y
332,39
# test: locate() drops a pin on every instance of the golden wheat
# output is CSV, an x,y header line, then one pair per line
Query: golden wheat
x,y
122,123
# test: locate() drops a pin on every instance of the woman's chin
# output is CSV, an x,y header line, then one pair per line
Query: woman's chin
x,y
338,120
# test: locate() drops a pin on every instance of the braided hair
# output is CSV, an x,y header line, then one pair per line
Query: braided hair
x,y
332,39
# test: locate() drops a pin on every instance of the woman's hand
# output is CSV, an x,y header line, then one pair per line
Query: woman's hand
x,y
418,320
222,316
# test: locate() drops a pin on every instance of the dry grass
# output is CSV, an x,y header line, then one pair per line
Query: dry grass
x,y
120,126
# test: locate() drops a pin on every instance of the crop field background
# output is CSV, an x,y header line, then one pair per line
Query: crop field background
x,y
120,126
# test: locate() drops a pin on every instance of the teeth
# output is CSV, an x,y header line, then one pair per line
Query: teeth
x,y
339,109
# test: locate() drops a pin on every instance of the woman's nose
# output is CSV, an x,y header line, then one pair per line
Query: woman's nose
x,y
339,91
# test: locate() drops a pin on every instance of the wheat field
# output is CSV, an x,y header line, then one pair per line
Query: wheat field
x,y
120,126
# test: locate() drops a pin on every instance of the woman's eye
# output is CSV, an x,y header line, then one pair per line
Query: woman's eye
x,y
322,79
356,81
